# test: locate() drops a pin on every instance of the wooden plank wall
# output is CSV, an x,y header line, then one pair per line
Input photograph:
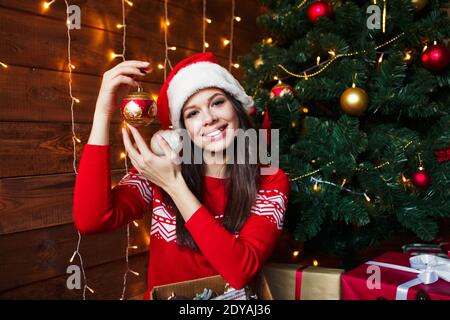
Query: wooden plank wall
x,y
37,235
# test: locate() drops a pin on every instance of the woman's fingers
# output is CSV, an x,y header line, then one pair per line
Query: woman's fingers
x,y
132,152
133,63
128,71
140,142
124,80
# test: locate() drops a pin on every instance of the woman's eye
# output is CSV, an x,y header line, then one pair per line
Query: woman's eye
x,y
190,114
218,102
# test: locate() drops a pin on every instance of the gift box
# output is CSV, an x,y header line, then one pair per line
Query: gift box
x,y
398,276
191,288
414,249
298,282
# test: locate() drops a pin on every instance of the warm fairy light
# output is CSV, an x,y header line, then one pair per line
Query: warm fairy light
x,y
134,272
208,20
421,168
236,65
407,56
4,65
313,161
129,3
367,197
73,257
305,110
133,247
91,290
343,182
71,66
68,22
206,44
275,78
167,23
226,42
123,155
47,4
119,26
332,53
172,48
160,66
77,139
425,47
295,253
76,100
380,60
316,187
315,263
404,180
136,224
434,42
318,60
154,96
238,19
262,113
269,40
293,124
115,55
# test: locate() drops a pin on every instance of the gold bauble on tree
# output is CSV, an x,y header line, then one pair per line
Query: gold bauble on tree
x,y
354,101
419,4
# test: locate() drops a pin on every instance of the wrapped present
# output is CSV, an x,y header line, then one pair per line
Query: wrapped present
x,y
398,276
297,282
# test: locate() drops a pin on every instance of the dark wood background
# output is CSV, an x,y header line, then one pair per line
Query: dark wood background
x,y
37,235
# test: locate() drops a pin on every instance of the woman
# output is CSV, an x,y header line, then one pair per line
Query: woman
x,y
207,219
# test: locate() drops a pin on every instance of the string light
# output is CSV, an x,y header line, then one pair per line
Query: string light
x,y
119,26
315,263
204,21
4,65
233,4
136,224
407,56
46,5
160,66
208,20
318,60
129,3
317,181
75,140
225,42
116,55
71,66
327,63
166,59
236,65
123,155
295,253
238,19
380,60
173,48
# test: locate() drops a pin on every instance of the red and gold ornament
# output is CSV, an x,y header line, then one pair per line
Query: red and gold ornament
x,y
319,9
436,57
281,89
138,108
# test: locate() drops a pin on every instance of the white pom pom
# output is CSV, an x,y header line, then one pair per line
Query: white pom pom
x,y
171,136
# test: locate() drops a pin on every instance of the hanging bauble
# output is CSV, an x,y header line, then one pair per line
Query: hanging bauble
x,y
354,101
281,89
252,111
419,4
138,108
420,178
319,9
436,57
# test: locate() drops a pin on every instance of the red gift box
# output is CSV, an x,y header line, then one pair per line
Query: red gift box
x,y
371,282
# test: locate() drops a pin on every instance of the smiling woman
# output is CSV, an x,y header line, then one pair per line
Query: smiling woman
x,y
212,217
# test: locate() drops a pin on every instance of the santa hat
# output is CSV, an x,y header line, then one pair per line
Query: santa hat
x,y
189,76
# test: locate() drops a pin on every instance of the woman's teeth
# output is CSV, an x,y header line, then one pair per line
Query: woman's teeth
x,y
214,133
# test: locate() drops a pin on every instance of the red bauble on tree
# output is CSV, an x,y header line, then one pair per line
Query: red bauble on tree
x,y
281,89
421,179
436,57
319,9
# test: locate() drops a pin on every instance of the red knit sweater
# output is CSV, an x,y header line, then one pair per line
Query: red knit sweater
x,y
236,257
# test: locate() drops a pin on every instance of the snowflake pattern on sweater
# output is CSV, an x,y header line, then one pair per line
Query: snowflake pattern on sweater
x,y
270,204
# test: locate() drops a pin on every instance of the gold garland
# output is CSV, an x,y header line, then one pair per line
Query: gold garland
x,y
329,62
355,169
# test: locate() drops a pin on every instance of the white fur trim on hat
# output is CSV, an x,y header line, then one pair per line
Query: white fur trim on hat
x,y
201,75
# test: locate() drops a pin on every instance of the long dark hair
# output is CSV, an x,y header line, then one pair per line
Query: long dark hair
x,y
242,186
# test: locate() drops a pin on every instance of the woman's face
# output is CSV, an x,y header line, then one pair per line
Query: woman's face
x,y
210,119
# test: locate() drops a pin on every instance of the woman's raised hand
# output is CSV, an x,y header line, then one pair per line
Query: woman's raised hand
x,y
117,82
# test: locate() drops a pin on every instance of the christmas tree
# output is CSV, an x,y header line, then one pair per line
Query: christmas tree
x,y
359,91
